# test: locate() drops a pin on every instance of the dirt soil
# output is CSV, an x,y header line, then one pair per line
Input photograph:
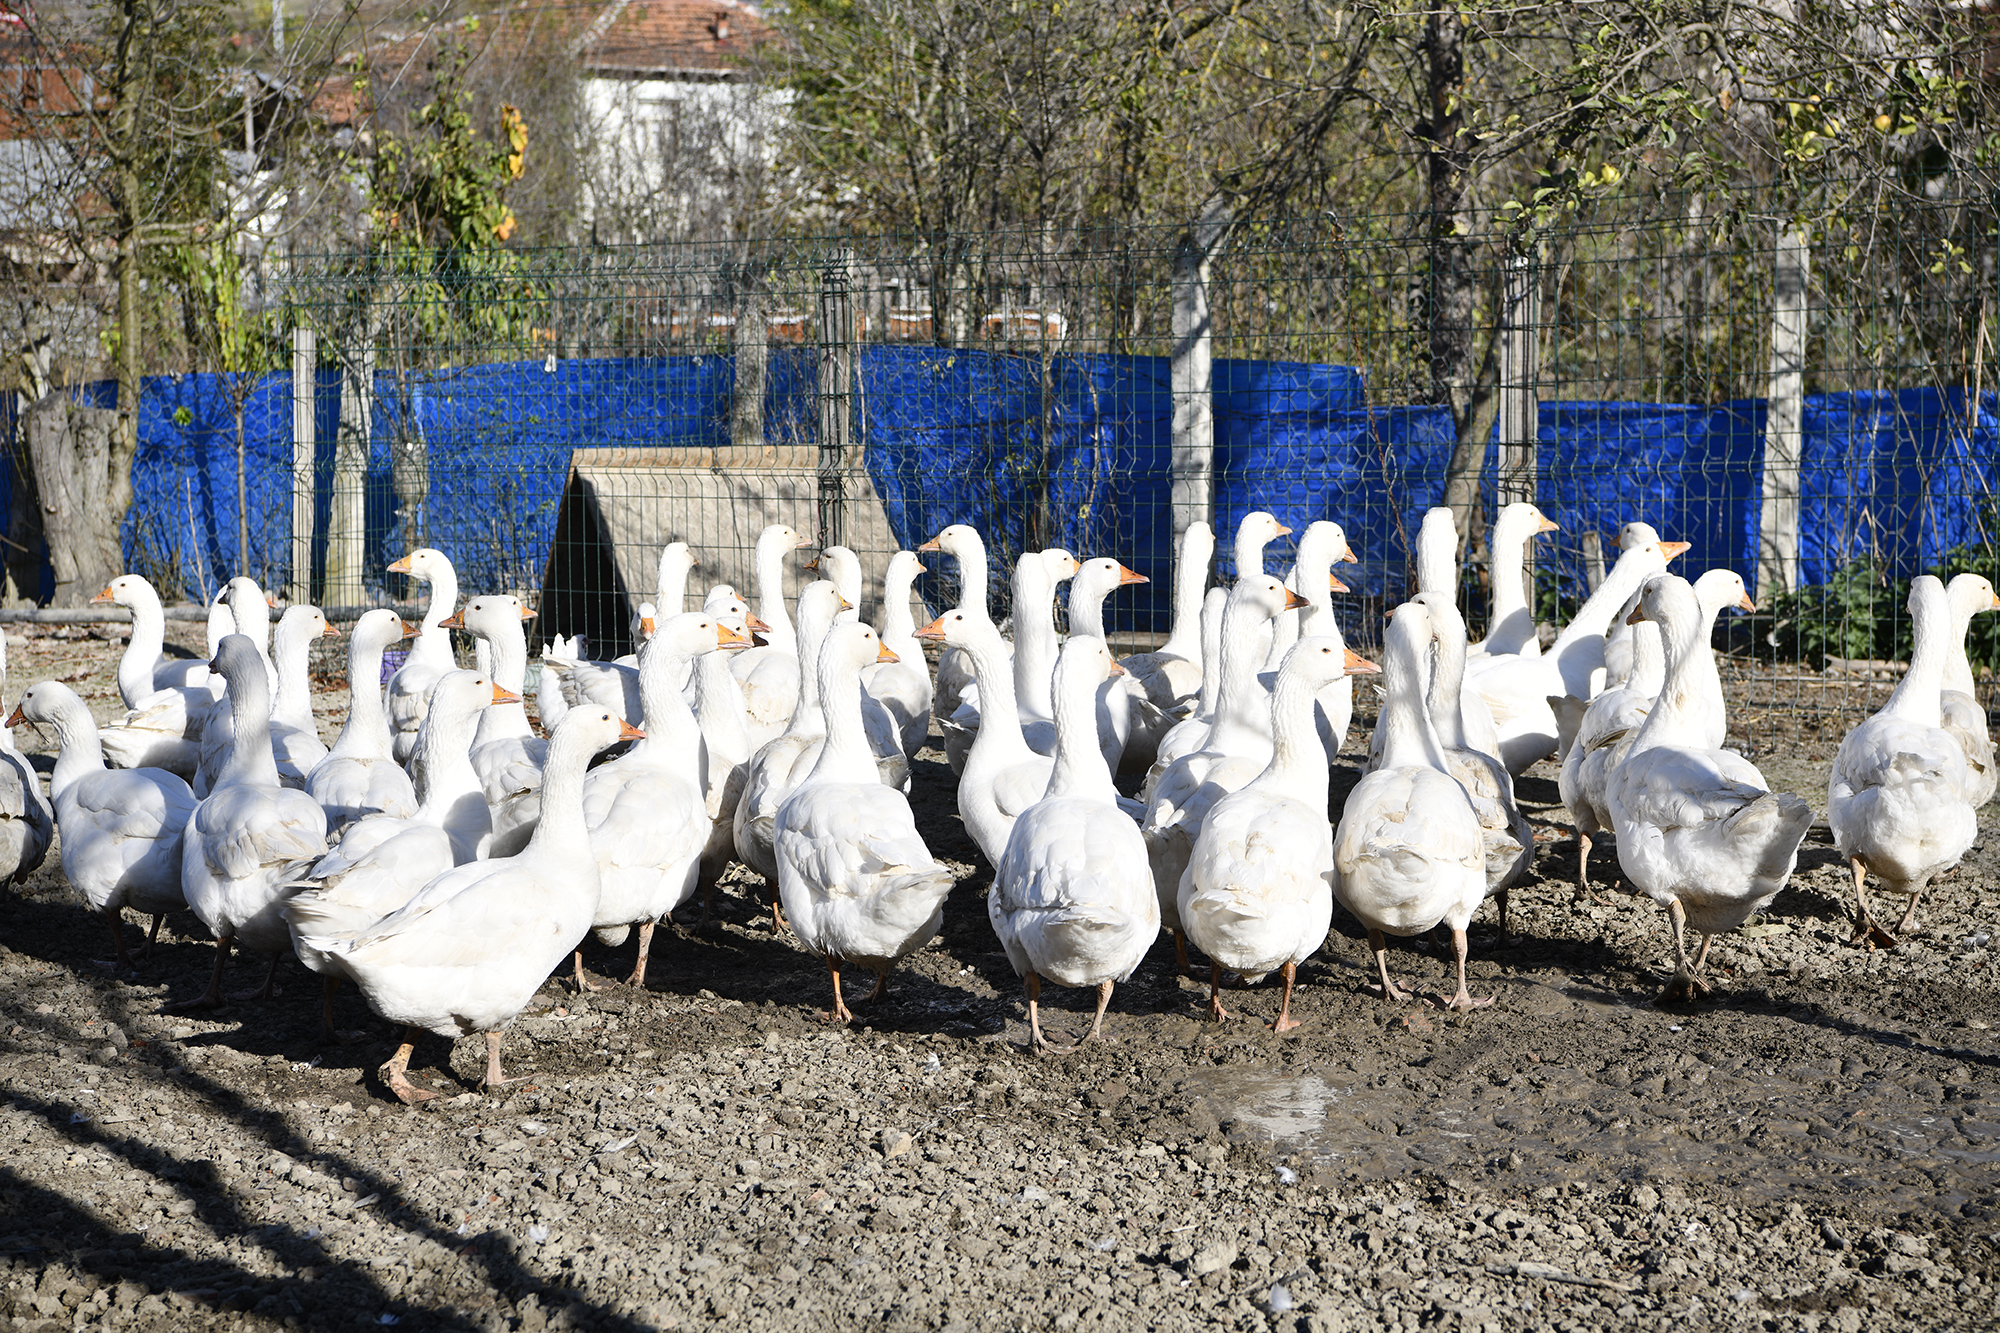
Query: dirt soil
x,y
1812,1147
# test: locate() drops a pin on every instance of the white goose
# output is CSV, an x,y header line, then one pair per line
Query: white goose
x,y
430,656
27,825
1517,688
1510,621
550,705
381,861
1964,715
1408,853
1126,718
142,674
1508,837
839,566
1072,900
506,753
1322,544
1699,830
859,885
294,731
1897,800
1257,894
470,950
360,775
1171,674
954,675
777,768
725,738
1617,639
1604,737
902,687
121,828
250,837
1002,776
769,673
646,811
1178,797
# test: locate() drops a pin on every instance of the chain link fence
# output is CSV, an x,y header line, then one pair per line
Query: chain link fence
x,y
1798,386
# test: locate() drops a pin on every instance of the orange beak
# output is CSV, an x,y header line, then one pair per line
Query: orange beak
x,y
410,631
330,632
628,732
104,596
1126,576
1357,665
934,630
270,601
1284,531
17,717
726,637
882,654
1744,603
931,545
1117,670
1349,557
1673,549
528,613
811,564
1549,525
800,543
1333,582
922,568
456,620
645,626
501,696
754,625
1994,605
401,566
1293,601
845,605
1638,614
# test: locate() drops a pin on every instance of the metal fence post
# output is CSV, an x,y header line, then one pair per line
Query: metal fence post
x,y
347,518
1520,369
1778,519
836,395
305,362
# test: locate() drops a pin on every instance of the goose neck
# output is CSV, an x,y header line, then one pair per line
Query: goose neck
x,y
1298,765
1080,771
1594,617
1446,702
972,581
562,829
771,607
671,730
1408,738
999,738
1691,692
1190,586
80,752
1917,696
845,756
1086,607
508,644
718,705
899,626
292,659
251,759
1034,637
142,651
433,645
366,732
1236,690
1957,664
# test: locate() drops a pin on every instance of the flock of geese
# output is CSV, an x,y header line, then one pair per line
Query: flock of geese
x,y
444,858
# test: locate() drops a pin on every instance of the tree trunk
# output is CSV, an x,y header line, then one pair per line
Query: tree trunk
x,y
409,473
1448,292
346,522
73,454
750,341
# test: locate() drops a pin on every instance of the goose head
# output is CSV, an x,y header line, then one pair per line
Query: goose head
x,y
426,563
1318,661
1522,521
1060,564
248,606
489,616
127,590
1633,535
1722,588
379,628
958,540
1971,594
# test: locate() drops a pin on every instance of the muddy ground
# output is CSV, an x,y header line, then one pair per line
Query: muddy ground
x,y
1813,1147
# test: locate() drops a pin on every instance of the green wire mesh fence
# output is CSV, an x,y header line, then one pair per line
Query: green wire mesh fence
x,y
1797,386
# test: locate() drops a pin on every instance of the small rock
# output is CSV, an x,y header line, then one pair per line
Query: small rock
x,y
1213,1258
896,1142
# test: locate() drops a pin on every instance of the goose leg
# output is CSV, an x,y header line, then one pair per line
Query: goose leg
x,y
124,960
638,977
1582,868
583,985
1684,985
1284,1022
1865,930
777,912
212,997
1909,919
881,991
329,985
1036,1040
1096,1032
1181,964
270,987
840,1013
1461,999
1388,990
1216,1012
396,1072
154,935
1500,899
494,1078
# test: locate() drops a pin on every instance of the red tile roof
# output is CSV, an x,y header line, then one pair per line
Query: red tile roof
x,y
677,36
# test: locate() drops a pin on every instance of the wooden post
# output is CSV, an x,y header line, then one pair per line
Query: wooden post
x,y
1778,519
346,525
305,369
1192,375
836,396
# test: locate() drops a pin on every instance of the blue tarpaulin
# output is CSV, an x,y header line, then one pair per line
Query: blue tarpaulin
x,y
1070,450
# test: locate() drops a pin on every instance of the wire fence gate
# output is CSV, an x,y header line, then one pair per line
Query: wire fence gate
x,y
1796,387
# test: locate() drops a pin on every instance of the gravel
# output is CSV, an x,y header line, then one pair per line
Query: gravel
x,y
1812,1147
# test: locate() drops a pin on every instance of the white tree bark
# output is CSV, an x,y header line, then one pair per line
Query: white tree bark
x,y
1778,521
